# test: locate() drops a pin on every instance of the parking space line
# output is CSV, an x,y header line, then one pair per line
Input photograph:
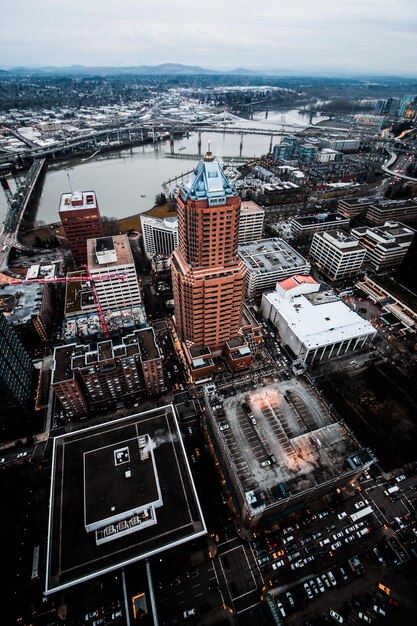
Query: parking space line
x,y
247,608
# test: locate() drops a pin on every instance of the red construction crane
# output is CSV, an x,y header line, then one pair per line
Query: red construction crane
x,y
103,323
64,279
77,279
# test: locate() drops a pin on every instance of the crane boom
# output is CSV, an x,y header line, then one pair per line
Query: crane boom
x,y
103,323
65,279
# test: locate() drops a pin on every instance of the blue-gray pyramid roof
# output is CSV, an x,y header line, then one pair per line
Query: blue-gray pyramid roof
x,y
207,182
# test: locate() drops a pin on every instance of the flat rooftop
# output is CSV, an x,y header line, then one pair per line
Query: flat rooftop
x,y
87,325
321,318
78,200
148,347
321,218
20,302
84,490
248,207
309,446
270,255
105,252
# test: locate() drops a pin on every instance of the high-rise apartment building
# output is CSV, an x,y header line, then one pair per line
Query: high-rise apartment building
x,y
160,236
16,371
113,255
81,219
207,274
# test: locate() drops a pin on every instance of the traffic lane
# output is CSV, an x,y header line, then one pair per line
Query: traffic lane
x,y
197,589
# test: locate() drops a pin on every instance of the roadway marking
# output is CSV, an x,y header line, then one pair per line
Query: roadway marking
x,y
231,550
244,594
227,583
248,608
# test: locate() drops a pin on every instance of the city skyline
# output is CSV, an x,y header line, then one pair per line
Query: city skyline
x,y
350,37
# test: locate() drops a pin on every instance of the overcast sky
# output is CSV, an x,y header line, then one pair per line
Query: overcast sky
x,y
375,36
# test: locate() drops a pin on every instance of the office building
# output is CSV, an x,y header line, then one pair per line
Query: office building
x,y
207,274
80,216
341,144
16,373
326,155
112,255
268,261
337,254
86,380
310,224
392,210
118,497
386,246
251,221
160,236
314,324
306,454
30,310
352,207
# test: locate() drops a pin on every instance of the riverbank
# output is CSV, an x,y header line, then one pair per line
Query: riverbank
x,y
112,226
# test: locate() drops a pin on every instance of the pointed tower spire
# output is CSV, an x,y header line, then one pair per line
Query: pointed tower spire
x,y
209,155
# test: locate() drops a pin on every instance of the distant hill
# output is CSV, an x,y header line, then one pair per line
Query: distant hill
x,y
136,70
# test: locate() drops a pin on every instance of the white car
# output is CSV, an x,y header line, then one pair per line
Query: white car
x,y
189,613
360,504
335,545
277,564
336,617
342,515
331,578
19,456
224,427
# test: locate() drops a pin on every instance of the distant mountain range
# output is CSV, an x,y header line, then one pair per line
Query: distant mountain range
x,y
178,69
142,70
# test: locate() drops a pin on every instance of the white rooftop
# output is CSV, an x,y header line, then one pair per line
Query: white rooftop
x,y
319,319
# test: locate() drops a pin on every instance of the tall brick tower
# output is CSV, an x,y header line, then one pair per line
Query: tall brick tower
x,y
80,217
208,276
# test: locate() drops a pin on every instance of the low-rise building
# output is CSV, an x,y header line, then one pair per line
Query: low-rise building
x,y
30,310
337,254
315,324
392,210
352,207
386,246
310,224
301,459
268,261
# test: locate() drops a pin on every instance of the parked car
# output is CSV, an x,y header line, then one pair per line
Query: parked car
x,y
277,564
338,618
290,598
308,591
336,545
341,515
275,555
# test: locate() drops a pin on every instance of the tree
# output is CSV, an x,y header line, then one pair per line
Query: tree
x,y
160,199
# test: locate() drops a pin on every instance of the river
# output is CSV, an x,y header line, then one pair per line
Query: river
x,y
127,181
